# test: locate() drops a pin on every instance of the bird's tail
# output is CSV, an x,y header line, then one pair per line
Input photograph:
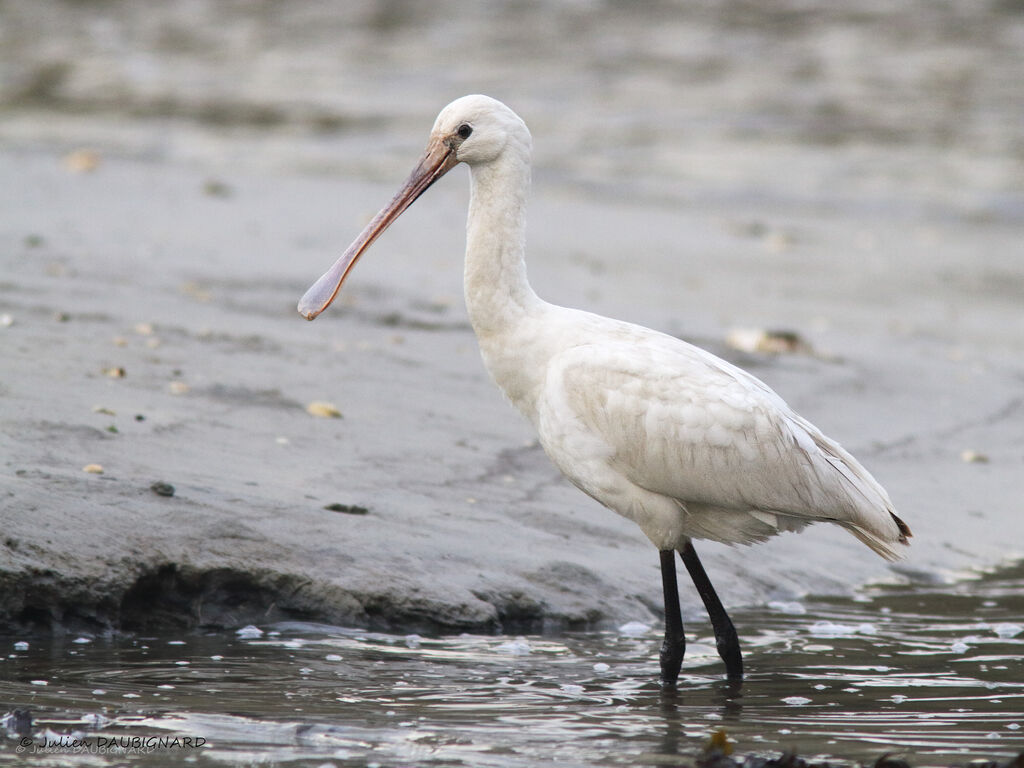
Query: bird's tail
x,y
886,546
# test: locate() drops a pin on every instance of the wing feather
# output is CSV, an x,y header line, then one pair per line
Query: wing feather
x,y
681,422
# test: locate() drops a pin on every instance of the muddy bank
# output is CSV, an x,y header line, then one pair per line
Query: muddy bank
x,y
153,333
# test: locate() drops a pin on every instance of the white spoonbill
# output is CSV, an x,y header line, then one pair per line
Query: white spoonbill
x,y
664,433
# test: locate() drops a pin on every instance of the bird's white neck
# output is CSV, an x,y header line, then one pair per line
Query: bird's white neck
x,y
498,294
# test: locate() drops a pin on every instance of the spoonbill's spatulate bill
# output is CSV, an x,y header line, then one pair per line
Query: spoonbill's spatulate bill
x,y
662,432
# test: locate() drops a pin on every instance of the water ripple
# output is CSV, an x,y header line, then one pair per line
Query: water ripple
x,y
898,669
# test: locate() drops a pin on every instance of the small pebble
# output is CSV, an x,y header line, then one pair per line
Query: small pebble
x,y
162,489
144,329
178,387
332,657
413,641
82,640
104,411
117,372
6,320
82,161
767,342
40,682
974,457
216,188
323,410
93,469
796,700
196,291
600,667
249,632
348,509
21,645
778,242
959,647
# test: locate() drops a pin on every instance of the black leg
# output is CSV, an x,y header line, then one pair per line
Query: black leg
x,y
725,633
674,645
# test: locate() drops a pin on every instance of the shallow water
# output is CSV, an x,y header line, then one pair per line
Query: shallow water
x,y
933,671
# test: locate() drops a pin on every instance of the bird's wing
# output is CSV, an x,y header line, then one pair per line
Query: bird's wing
x,y
681,422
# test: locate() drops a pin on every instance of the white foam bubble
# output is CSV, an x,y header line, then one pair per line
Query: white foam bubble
x,y
831,629
791,607
249,632
1007,630
634,629
517,647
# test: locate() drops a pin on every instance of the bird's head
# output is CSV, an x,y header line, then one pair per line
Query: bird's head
x,y
475,130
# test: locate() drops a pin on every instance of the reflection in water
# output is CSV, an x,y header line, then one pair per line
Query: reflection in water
x,y
727,694
933,671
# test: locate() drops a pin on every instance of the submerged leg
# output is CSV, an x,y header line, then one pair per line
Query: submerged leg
x,y
674,645
725,633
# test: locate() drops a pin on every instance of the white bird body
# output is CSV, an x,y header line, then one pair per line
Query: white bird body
x,y
664,433
675,439
660,431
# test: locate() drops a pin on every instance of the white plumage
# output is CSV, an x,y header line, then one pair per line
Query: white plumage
x,y
662,432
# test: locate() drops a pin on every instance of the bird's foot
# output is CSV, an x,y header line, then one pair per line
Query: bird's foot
x,y
672,652
729,649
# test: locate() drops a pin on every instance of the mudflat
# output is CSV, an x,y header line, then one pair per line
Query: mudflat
x,y
159,463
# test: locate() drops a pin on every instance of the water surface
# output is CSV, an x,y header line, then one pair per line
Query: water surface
x,y
933,671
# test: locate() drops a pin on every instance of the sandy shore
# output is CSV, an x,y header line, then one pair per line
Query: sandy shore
x,y
149,328
137,268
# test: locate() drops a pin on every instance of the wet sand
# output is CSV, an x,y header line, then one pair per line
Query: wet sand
x,y
179,257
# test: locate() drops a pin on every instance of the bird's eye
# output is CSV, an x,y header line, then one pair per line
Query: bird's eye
x,y
464,131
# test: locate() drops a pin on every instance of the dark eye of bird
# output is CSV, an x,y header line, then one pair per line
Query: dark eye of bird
x,y
465,130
